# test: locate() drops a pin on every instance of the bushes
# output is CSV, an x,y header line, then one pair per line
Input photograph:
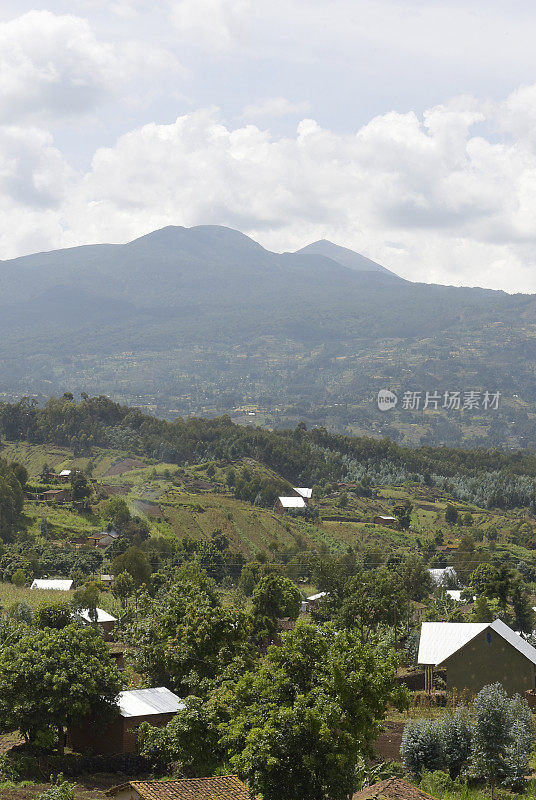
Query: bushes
x,y
422,748
496,739
444,744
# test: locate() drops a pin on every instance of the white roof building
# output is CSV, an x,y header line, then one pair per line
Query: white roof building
x,y
60,585
65,473
292,502
145,702
318,596
304,492
440,640
439,576
102,615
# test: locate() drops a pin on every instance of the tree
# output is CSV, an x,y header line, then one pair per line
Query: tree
x,y
275,596
501,586
247,580
53,614
18,577
522,607
116,511
482,577
422,747
370,599
56,678
87,597
189,742
451,514
482,610
503,736
80,487
295,726
123,587
443,744
415,578
403,514
134,561
188,640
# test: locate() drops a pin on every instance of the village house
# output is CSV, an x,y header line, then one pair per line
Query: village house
x,y
65,476
102,539
384,519
56,584
303,492
391,789
222,787
284,504
443,575
56,496
104,621
315,599
107,580
475,654
156,706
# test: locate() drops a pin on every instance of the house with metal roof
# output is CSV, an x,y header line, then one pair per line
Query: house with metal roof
x,y
442,575
304,492
156,706
222,787
477,653
103,620
284,504
57,584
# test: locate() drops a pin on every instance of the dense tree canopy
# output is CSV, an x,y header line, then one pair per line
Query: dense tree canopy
x,y
53,678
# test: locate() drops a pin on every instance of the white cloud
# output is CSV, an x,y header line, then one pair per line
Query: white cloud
x,y
217,24
436,197
275,107
53,66
34,186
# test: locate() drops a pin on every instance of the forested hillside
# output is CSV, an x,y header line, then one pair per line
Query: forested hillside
x,y
205,321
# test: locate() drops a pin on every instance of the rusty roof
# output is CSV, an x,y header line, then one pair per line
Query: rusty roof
x,y
225,787
391,789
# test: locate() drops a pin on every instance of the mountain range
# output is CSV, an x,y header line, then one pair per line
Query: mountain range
x,y
205,320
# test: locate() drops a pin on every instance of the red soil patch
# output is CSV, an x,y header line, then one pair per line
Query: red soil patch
x,y
387,745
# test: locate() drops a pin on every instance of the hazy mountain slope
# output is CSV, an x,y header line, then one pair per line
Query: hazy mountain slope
x,y
205,319
348,258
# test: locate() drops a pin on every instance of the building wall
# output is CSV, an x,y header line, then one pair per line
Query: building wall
x,y
488,658
119,737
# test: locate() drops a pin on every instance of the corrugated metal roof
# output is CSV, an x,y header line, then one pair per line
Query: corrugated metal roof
x,y
143,702
518,642
292,502
47,583
64,473
440,640
438,575
304,492
318,596
102,615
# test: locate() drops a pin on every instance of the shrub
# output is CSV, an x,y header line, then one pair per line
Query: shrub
x,y
60,790
422,748
455,730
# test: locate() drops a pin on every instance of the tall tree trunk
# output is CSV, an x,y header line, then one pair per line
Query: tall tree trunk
x,y
61,741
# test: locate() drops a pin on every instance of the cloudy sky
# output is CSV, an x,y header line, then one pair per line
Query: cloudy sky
x,y
404,129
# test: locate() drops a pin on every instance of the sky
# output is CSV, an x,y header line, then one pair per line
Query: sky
x,y
403,130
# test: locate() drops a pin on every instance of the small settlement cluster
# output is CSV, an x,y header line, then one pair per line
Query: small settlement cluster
x,y
467,655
